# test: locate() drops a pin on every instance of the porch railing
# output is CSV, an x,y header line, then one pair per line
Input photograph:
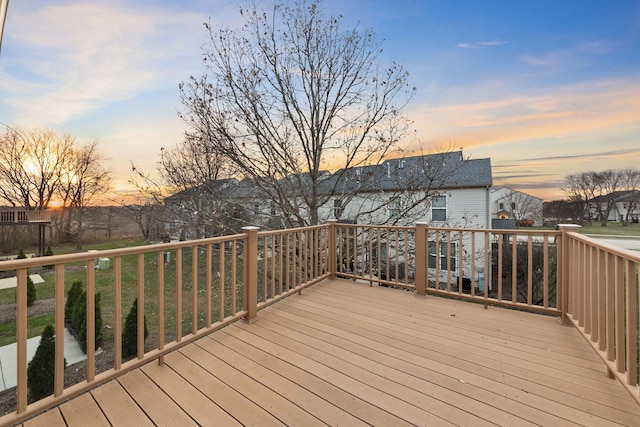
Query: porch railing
x,y
501,267
188,289
24,216
185,290
602,282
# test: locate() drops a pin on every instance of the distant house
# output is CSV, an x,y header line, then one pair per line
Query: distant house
x,y
625,205
507,203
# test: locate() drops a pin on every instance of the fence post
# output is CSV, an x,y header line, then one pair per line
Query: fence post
x,y
332,248
421,258
564,272
250,262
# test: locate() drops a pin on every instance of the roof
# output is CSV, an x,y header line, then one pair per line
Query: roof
x,y
440,171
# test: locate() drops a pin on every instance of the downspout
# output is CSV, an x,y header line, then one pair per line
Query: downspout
x,y
487,208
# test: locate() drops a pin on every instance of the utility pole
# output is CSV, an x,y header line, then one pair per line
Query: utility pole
x,y
4,5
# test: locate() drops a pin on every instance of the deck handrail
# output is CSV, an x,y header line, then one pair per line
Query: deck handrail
x,y
602,282
18,216
515,268
195,287
241,274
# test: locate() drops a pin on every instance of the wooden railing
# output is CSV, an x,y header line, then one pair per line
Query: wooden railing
x,y
188,289
503,267
602,282
24,216
184,291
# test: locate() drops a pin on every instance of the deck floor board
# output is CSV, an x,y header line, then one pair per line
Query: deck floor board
x,y
344,353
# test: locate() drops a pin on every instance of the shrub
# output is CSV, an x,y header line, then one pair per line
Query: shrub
x,y
40,372
21,255
72,296
79,320
48,252
130,331
31,291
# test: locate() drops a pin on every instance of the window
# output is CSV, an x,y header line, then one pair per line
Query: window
x,y
513,206
273,209
394,207
442,256
501,207
337,208
439,208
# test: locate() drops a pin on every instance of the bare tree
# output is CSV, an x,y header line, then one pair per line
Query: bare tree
x,y
630,183
31,166
596,190
523,207
291,95
84,179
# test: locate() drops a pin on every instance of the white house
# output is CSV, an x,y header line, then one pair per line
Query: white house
x,y
507,203
625,205
442,189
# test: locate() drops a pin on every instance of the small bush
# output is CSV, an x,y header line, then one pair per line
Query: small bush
x,y
40,371
79,319
72,296
48,252
21,255
31,291
130,331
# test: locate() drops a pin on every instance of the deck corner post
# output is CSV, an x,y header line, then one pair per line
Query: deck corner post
x,y
251,274
564,290
333,268
421,258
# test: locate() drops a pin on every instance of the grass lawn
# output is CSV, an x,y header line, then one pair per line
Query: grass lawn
x,y
35,325
612,229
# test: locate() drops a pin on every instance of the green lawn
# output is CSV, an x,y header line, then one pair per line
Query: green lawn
x,y
612,229
35,325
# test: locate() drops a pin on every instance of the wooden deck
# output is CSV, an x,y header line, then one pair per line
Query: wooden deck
x,y
347,354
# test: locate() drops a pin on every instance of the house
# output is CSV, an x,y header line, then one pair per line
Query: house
x,y
443,189
625,206
507,203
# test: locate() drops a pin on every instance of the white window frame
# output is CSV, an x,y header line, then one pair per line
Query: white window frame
x,y
442,258
436,208
337,208
393,208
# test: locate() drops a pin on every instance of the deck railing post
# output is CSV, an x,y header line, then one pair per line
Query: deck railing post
x,y
421,258
333,268
251,273
563,286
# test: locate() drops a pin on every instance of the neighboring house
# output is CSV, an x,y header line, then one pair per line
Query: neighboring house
x,y
443,190
625,206
507,203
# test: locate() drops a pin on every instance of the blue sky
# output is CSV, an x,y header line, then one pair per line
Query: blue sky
x,y
543,88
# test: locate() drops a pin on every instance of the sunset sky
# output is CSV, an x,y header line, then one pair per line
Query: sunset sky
x,y
543,88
